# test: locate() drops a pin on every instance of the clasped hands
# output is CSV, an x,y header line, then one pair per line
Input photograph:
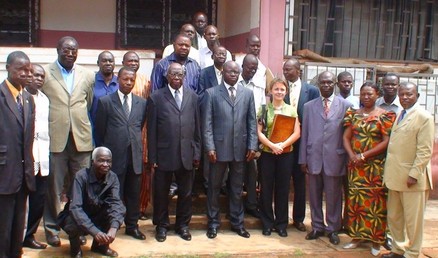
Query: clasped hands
x,y
277,148
106,239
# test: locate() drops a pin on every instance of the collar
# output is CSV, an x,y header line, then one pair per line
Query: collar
x,y
99,77
121,95
12,89
63,70
92,176
330,99
228,86
172,58
172,90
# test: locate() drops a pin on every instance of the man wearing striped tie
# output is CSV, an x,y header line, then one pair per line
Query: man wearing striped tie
x,y
120,119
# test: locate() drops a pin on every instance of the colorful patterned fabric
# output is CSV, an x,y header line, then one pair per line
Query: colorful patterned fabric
x,y
366,203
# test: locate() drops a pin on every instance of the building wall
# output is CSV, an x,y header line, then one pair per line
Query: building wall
x,y
92,23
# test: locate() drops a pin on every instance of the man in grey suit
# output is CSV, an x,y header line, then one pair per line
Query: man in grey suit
x,y
174,142
230,139
322,157
299,93
17,178
120,118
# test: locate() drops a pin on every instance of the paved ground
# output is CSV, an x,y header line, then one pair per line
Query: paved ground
x,y
228,244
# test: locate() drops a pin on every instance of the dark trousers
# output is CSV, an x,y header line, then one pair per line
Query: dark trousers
x,y
275,184
299,183
234,195
101,221
251,185
12,219
36,206
63,167
162,181
130,185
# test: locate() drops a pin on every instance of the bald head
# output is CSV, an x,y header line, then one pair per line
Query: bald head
x,y
253,44
291,70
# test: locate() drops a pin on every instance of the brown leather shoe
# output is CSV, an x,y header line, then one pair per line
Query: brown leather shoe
x,y
105,251
300,226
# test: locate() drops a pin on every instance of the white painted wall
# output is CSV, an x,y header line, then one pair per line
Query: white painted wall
x,y
237,17
78,15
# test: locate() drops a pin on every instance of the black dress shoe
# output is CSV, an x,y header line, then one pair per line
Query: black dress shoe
x,y
76,254
253,212
241,232
161,234
184,234
266,231
314,235
333,237
54,241
300,226
388,244
392,255
135,233
105,251
82,240
32,243
211,233
282,232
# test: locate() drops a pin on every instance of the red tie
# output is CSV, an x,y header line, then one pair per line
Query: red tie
x,y
326,107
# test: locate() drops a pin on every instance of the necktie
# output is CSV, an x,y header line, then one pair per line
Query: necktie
x,y
178,99
402,115
125,105
232,95
326,107
20,105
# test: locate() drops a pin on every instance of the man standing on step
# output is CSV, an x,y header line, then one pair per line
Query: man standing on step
x,y
174,140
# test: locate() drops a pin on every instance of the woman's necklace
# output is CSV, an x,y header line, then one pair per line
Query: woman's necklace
x,y
278,107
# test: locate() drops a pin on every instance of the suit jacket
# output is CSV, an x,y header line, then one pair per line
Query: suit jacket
x,y
410,151
229,129
16,139
321,137
307,93
174,135
117,132
69,113
207,79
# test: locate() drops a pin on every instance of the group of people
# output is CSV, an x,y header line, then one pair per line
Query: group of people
x,y
58,118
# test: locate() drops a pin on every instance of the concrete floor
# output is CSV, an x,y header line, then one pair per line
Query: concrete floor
x,y
228,244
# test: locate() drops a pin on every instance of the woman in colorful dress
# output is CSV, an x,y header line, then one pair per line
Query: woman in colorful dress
x,y
275,162
366,138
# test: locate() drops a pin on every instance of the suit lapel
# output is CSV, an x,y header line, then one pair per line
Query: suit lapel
x,y
11,103
26,107
224,93
118,105
168,95
212,76
56,73
406,120
77,78
239,92
333,107
133,106
184,98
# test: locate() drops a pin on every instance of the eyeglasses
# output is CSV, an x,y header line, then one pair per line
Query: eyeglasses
x,y
232,72
69,51
176,75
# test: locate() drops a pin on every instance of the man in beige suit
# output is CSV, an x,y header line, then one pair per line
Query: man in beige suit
x,y
408,173
69,88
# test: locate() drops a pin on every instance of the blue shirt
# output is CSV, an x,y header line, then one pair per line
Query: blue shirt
x,y
68,76
191,80
100,89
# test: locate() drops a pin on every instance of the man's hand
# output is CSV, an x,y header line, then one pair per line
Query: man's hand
x,y
212,156
304,168
411,181
102,239
250,154
112,234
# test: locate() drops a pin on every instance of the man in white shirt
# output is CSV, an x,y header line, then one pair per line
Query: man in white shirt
x,y
199,21
40,151
390,101
211,34
345,84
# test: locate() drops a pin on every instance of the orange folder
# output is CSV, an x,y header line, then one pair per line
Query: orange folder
x,y
282,128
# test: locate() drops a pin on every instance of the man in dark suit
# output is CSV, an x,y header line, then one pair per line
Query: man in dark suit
x,y
299,94
323,157
17,116
230,139
119,120
174,140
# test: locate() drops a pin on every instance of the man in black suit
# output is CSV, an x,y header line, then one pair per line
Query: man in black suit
x,y
17,116
119,120
299,94
230,139
174,140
